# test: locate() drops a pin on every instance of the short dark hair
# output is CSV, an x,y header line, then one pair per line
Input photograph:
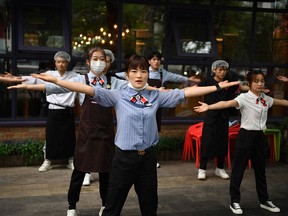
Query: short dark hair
x,y
250,76
153,54
136,61
94,49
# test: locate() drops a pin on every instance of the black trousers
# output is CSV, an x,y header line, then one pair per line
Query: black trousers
x,y
129,168
249,145
76,184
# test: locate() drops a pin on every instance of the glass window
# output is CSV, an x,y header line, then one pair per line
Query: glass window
x,y
32,103
234,3
5,95
191,34
191,1
233,35
39,30
5,27
279,31
94,23
185,108
276,4
263,38
146,29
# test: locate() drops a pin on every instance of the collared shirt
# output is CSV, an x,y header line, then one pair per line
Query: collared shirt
x,y
253,115
64,99
167,76
115,84
136,123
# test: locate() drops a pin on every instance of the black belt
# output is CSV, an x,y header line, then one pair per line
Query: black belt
x,y
139,152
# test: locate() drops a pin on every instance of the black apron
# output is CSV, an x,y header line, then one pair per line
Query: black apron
x,y
216,122
60,134
95,142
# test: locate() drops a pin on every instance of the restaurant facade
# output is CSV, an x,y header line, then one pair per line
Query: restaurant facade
x,y
190,34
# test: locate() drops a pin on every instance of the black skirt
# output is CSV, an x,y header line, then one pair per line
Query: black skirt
x,y
60,134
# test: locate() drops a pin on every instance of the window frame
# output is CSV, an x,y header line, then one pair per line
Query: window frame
x,y
191,13
65,22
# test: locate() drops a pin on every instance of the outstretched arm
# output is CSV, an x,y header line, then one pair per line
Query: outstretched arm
x,y
219,105
73,86
245,88
280,102
11,79
39,87
282,78
199,91
194,79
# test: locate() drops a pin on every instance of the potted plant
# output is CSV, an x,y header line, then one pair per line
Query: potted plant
x,y
169,148
20,153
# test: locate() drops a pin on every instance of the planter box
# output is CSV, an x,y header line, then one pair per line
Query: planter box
x,y
12,161
17,160
169,155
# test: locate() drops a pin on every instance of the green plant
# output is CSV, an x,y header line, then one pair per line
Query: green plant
x,y
29,149
284,125
170,143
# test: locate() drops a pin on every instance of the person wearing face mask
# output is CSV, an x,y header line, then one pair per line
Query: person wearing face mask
x,y
95,141
109,60
134,160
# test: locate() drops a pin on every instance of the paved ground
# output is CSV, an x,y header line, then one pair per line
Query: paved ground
x,y
25,191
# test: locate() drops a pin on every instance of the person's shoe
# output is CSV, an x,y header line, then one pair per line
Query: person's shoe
x,y
221,173
72,212
236,209
201,174
101,210
268,205
157,165
86,181
70,164
46,166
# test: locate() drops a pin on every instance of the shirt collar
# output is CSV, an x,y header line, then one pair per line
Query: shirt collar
x,y
252,95
91,76
151,71
132,92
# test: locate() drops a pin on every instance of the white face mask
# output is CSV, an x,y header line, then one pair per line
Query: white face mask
x,y
97,66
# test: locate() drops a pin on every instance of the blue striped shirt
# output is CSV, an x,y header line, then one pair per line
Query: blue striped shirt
x,y
136,123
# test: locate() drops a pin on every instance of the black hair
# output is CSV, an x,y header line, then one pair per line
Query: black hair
x,y
154,54
95,49
251,75
136,61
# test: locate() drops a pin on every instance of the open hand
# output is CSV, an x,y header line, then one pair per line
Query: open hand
x,y
226,84
19,86
202,108
282,78
194,79
45,77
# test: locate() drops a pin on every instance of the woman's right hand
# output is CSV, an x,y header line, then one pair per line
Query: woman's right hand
x,y
202,108
45,77
19,86
226,84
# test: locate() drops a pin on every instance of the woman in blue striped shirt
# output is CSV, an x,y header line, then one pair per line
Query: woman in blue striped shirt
x,y
134,161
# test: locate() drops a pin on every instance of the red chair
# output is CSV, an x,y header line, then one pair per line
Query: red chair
x,y
232,134
194,132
